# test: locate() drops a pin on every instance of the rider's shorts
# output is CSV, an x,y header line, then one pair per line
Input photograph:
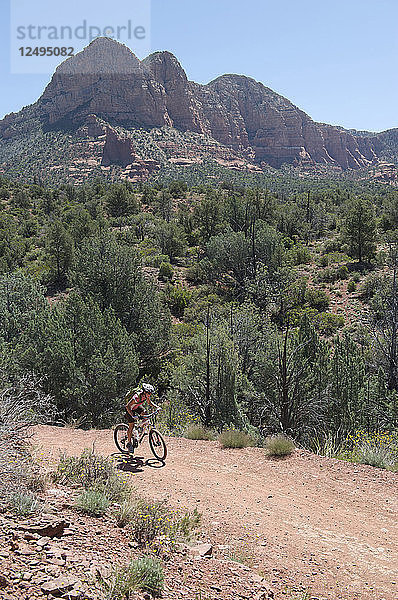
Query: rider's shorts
x,y
136,412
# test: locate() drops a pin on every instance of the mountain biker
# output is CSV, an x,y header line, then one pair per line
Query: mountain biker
x,y
135,401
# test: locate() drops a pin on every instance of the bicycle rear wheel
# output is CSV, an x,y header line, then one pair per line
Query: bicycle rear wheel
x,y
120,437
157,444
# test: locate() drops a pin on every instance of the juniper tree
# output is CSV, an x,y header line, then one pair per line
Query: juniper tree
x,y
59,253
359,229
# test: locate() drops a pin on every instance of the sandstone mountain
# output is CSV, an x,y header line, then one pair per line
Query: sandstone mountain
x,y
107,81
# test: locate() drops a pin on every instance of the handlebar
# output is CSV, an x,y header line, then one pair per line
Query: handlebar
x,y
151,414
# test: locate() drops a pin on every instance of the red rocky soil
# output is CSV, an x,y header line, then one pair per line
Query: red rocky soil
x,y
304,522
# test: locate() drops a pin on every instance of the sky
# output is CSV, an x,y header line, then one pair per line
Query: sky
x,y
334,59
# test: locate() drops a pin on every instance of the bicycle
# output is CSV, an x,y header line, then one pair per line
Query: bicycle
x,y
146,427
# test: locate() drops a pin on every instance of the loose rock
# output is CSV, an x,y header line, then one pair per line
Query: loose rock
x,y
59,585
203,550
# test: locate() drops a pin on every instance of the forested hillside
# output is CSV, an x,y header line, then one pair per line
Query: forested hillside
x,y
262,310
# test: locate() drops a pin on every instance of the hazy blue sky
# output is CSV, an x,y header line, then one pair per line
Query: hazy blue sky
x,y
335,59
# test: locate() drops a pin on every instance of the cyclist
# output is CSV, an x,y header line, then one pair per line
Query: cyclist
x,y
135,401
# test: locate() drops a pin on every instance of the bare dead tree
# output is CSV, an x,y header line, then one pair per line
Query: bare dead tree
x,y
24,403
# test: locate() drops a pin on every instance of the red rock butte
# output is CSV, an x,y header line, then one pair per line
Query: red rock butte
x,y
107,80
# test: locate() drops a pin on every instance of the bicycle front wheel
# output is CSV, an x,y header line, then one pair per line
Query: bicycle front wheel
x,y
157,444
120,437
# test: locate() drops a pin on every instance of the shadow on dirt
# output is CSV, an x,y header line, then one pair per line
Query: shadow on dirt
x,y
135,464
273,458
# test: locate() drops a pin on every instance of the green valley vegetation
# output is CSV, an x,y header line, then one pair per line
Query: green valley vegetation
x,y
268,310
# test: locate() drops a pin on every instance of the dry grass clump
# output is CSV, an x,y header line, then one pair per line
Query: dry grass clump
x,y
19,474
144,574
375,457
233,438
198,432
279,445
94,473
21,400
154,523
94,502
24,403
97,476
24,504
125,512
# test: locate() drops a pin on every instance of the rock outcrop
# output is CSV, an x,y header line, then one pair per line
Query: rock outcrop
x,y
92,127
106,81
118,150
182,106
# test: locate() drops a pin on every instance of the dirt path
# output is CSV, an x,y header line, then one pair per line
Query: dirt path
x,y
323,524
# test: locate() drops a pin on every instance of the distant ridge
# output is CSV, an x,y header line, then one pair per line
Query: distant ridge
x,y
107,80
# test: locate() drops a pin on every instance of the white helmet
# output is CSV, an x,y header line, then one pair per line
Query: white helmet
x,y
147,387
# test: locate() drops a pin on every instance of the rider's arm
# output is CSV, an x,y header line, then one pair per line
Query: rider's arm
x,y
129,404
152,403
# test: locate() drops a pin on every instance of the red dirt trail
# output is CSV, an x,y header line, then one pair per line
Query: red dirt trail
x,y
326,525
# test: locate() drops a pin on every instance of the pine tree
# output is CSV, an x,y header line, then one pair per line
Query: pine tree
x,y
359,229
59,250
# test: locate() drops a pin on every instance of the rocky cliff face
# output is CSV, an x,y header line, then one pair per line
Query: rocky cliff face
x,y
181,104
107,80
117,150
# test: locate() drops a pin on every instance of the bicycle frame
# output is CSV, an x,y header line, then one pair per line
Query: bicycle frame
x,y
142,425
147,423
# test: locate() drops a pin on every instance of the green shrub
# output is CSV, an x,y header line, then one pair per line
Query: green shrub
x,y
330,246
93,501
159,259
327,275
125,513
4,193
381,258
233,438
375,457
378,449
154,524
372,284
351,286
333,258
145,574
148,574
148,521
176,417
25,503
165,271
296,316
178,298
86,469
342,272
196,273
198,432
328,323
184,525
299,255
279,445
91,471
317,299
323,260
355,276
331,274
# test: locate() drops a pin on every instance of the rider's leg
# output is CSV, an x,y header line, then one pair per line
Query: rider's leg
x,y
130,432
